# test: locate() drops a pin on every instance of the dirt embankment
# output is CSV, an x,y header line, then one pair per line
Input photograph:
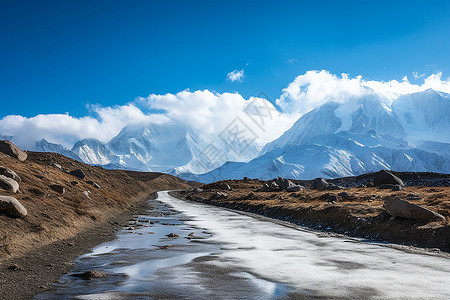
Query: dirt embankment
x,y
65,222
54,215
357,212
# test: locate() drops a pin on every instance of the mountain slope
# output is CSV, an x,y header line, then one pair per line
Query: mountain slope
x,y
360,135
344,154
45,146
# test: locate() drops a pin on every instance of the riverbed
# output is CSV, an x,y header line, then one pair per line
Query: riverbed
x,y
222,254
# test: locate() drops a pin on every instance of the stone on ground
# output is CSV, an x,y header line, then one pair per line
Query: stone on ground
x,y
78,173
9,173
385,177
12,150
12,206
8,184
404,209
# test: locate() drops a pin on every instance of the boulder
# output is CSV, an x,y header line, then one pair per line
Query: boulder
x,y
9,173
58,188
12,206
283,183
224,186
12,150
384,177
320,184
294,188
218,196
78,173
404,209
274,186
8,184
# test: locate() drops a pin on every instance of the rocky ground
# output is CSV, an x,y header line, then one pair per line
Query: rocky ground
x,y
412,211
61,208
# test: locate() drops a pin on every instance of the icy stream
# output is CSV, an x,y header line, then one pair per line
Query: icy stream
x,y
221,254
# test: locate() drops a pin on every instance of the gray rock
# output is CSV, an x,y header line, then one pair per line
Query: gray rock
x,y
78,173
58,188
294,188
224,186
12,150
384,177
8,184
283,183
404,209
9,173
219,195
197,190
319,184
12,206
274,186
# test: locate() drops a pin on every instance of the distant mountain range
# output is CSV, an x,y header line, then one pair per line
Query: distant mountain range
x,y
336,139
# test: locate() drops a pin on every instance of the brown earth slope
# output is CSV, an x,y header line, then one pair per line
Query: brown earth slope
x,y
54,216
358,212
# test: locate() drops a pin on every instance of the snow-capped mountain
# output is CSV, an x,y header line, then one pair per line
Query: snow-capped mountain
x,y
171,147
361,135
425,115
339,138
94,152
45,146
338,155
168,147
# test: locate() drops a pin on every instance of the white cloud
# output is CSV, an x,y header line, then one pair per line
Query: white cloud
x,y
292,60
65,129
211,112
204,110
314,88
236,76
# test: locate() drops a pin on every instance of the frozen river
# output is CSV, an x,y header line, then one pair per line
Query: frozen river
x,y
221,254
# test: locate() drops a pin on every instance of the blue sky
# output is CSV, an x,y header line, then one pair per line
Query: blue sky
x,y
59,56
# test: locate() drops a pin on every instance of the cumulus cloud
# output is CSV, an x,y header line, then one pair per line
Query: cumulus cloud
x,y
208,112
66,130
314,88
236,76
211,113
